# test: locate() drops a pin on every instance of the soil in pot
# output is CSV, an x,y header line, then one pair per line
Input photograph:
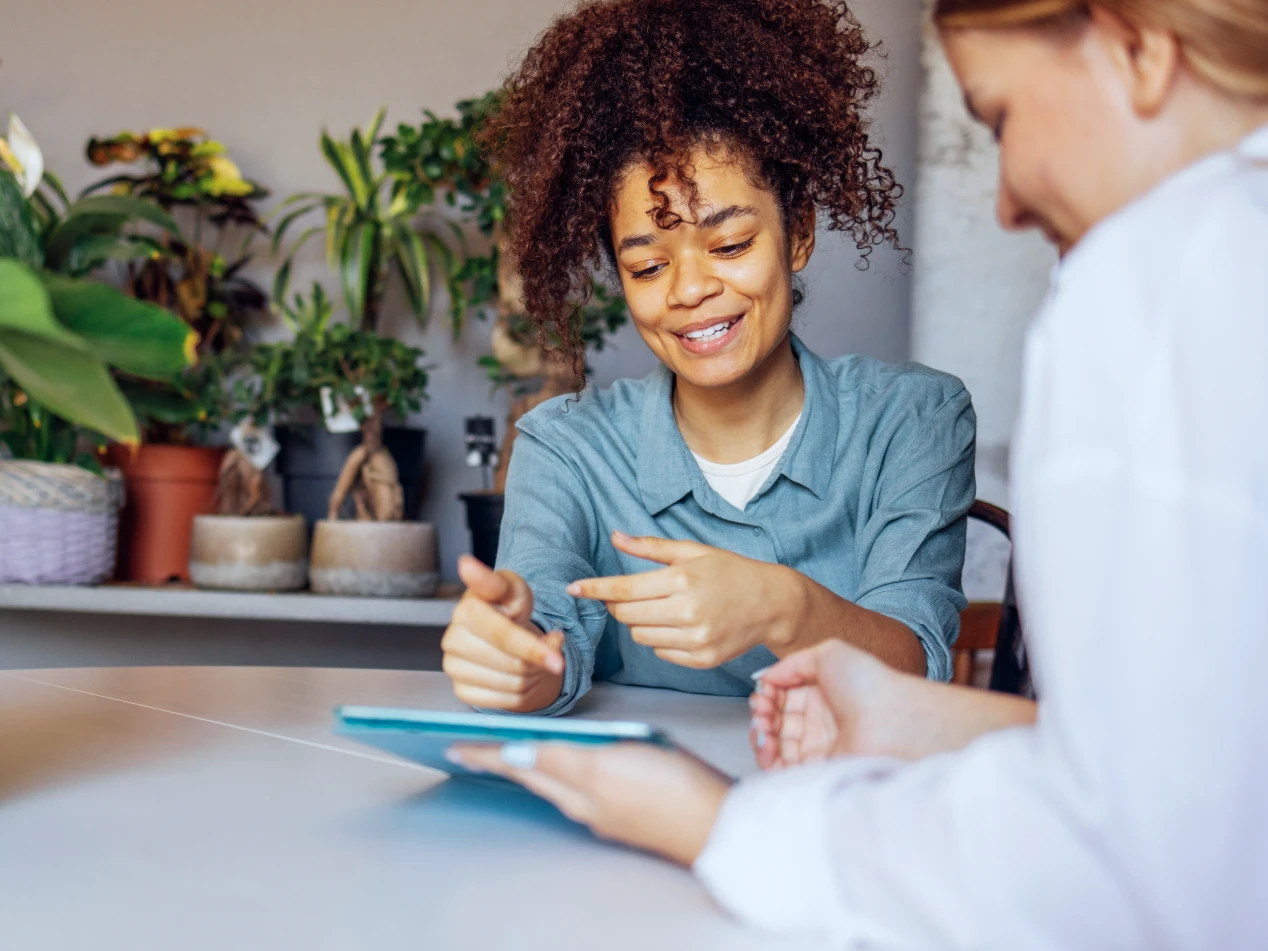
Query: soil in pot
x,y
254,553
167,486
374,559
484,518
311,457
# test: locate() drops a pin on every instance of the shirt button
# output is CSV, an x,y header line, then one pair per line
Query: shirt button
x,y
757,531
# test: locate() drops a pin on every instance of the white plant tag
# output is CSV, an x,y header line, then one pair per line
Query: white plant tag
x,y
258,445
338,414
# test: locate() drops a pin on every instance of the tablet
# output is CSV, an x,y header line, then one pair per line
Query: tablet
x,y
422,736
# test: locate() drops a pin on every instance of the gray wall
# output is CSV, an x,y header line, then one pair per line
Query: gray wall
x,y
265,75
975,288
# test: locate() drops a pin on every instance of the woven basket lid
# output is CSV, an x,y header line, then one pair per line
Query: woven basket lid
x,y
44,485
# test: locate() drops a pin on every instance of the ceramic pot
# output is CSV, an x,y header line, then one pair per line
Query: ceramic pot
x,y
374,559
484,518
311,458
166,487
257,553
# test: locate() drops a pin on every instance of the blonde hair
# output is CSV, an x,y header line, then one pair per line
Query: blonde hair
x,y
1224,41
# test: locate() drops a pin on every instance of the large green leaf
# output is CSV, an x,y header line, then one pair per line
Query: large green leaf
x,y
68,381
19,231
93,250
25,306
355,261
164,406
415,267
97,215
135,336
335,158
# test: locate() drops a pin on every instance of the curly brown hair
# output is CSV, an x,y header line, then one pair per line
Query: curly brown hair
x,y
780,83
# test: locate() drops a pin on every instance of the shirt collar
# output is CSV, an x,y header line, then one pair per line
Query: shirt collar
x,y
667,472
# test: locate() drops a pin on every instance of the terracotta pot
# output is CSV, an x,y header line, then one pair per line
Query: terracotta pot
x,y
167,486
258,553
374,559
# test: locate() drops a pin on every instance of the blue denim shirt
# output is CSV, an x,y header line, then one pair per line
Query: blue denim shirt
x,y
869,500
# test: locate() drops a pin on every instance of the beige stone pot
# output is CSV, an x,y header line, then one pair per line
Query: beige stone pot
x,y
374,559
259,553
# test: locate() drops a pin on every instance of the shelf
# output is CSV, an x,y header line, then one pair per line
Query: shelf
x,y
181,601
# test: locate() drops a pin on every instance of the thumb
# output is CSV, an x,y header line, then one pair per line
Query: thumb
x,y
482,581
664,551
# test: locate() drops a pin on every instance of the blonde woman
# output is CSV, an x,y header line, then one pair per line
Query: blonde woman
x,y
1129,809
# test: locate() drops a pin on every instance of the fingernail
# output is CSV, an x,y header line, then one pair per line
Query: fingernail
x,y
620,536
761,739
574,589
519,755
454,757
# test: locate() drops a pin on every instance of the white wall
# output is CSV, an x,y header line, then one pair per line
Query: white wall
x,y
264,75
975,286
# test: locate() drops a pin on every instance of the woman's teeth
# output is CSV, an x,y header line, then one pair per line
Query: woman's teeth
x,y
709,333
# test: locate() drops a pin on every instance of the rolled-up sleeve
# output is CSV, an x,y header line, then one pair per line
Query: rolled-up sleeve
x,y
548,532
911,542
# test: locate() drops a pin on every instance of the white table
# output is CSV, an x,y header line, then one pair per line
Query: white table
x,y
212,808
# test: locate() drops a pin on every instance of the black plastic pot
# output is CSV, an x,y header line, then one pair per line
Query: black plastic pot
x,y
311,457
484,518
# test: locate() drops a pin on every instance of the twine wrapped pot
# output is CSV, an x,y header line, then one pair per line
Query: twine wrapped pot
x,y
58,524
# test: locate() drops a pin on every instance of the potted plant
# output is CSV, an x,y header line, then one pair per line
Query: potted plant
x,y
372,236
172,476
247,544
357,378
59,338
445,157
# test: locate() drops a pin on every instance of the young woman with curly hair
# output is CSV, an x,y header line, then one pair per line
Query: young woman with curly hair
x,y
690,147
1127,809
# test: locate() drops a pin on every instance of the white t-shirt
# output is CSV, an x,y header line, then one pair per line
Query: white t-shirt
x,y
1133,815
738,482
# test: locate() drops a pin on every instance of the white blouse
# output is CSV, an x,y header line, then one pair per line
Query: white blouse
x,y
1135,813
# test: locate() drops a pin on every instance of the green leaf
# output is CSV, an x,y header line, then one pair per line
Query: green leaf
x,y
92,251
161,405
56,187
290,219
69,382
100,214
139,209
354,266
335,159
25,306
19,233
135,336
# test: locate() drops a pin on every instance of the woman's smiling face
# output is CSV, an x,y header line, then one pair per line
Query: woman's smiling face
x,y
712,296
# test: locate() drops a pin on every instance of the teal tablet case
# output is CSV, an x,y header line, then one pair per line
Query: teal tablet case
x,y
422,736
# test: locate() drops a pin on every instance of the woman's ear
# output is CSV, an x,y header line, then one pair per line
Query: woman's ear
x,y
1146,59
803,240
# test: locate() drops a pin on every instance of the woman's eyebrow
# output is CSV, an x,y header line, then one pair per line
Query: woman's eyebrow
x,y
635,241
722,216
712,220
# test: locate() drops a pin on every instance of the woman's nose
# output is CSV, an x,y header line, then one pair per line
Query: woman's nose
x,y
693,283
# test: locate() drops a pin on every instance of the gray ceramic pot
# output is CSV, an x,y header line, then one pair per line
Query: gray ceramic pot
x,y
260,553
374,559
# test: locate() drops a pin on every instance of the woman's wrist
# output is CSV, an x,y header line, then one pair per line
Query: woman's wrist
x,y
794,619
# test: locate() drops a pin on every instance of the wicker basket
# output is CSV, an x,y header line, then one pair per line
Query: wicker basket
x,y
58,524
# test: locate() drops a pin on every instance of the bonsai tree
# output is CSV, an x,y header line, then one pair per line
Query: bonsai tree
x,y
445,157
186,269
60,334
339,369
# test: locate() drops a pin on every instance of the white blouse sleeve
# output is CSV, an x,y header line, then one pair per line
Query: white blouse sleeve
x,y
1135,813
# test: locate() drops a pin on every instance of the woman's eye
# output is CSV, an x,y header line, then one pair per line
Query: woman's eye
x,y
731,250
647,272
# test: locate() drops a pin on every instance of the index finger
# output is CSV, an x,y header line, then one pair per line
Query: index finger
x,y
491,625
647,586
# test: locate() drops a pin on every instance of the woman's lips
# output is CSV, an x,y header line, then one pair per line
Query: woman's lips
x,y
709,336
